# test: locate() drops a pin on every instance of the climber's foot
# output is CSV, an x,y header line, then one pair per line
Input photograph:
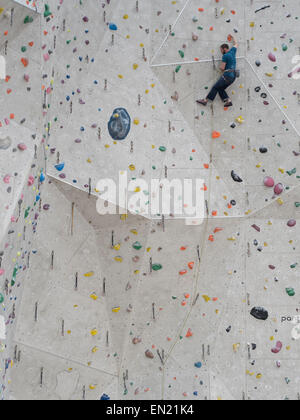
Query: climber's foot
x,y
202,102
228,104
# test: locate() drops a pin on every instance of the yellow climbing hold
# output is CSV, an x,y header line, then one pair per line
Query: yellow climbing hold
x,y
117,247
90,274
240,120
135,66
206,298
119,259
236,347
132,167
116,310
94,332
94,297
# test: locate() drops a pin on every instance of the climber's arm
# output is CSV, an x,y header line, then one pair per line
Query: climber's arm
x,y
223,66
235,43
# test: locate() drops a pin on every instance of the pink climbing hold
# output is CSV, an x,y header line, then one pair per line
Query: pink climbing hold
x,y
272,57
269,182
6,179
2,272
278,189
22,147
30,181
291,223
278,347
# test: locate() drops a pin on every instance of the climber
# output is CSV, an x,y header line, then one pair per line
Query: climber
x,y
228,68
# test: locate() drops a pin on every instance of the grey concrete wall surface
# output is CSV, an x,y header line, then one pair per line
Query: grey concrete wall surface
x,y
143,306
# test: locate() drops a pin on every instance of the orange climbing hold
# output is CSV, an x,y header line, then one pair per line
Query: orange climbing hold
x,y
218,230
182,272
216,135
189,334
191,265
25,62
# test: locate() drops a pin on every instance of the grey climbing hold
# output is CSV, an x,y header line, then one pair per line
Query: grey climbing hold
x,y
260,313
5,143
235,177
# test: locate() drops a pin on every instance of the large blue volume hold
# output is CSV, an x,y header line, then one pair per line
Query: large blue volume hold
x,y
119,125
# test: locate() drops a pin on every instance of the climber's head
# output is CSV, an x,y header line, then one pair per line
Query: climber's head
x,y
225,48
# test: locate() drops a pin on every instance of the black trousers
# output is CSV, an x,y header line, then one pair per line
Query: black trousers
x,y
220,88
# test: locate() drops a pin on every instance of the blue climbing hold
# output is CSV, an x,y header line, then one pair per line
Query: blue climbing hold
x,y
60,167
105,397
42,177
119,125
198,365
113,27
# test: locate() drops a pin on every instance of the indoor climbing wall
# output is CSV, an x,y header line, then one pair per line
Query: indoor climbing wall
x,y
136,306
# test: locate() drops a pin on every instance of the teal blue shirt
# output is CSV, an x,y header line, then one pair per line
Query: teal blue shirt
x,y
230,60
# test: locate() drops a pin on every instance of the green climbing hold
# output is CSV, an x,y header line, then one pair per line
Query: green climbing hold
x,y
297,205
28,19
137,246
1,298
157,267
294,265
292,172
290,291
14,276
47,12
178,68
23,49
163,149
181,53
284,47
